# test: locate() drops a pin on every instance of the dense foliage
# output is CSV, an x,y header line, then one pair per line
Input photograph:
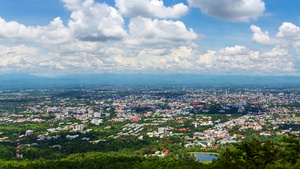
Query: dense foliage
x,y
256,154
102,160
248,155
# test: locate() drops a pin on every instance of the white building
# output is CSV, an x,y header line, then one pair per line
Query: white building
x,y
97,115
28,132
90,115
69,137
162,130
79,127
57,116
96,121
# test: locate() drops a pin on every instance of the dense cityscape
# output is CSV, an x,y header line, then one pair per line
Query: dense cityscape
x,y
168,122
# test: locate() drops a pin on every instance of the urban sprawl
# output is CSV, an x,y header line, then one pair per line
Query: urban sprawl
x,y
150,121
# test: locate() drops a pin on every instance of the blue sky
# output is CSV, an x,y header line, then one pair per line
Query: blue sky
x,y
216,37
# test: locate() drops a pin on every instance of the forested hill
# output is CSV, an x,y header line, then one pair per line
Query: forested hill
x,y
105,161
245,155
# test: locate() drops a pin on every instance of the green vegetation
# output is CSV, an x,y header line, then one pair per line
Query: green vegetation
x,y
294,127
256,154
105,161
248,155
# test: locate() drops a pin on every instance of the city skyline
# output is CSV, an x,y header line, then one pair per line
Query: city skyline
x,y
232,37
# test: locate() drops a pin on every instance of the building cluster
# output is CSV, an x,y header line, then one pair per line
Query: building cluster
x,y
158,112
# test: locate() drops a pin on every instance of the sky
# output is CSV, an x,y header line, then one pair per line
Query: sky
x,y
208,37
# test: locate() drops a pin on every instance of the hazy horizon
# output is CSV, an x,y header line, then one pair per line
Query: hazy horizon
x,y
21,81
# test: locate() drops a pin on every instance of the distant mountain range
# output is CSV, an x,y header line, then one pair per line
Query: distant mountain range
x,y
31,81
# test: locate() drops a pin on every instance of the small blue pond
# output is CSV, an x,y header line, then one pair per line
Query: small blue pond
x,y
205,157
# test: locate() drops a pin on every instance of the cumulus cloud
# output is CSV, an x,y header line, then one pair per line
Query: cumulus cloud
x,y
188,59
78,46
21,49
16,57
231,10
241,60
289,31
92,41
28,59
53,33
157,60
236,50
150,8
261,37
181,59
92,21
146,31
73,4
288,36
92,24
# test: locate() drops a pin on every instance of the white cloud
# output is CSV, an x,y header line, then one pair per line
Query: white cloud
x,y
146,31
158,60
288,31
181,59
53,33
261,37
236,50
73,4
229,60
288,36
231,10
277,51
16,58
240,60
92,21
150,8
21,49
77,46
93,27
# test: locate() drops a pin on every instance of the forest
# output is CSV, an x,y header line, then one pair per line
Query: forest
x,y
245,155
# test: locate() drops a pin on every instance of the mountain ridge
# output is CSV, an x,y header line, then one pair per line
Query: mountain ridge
x,y
28,80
